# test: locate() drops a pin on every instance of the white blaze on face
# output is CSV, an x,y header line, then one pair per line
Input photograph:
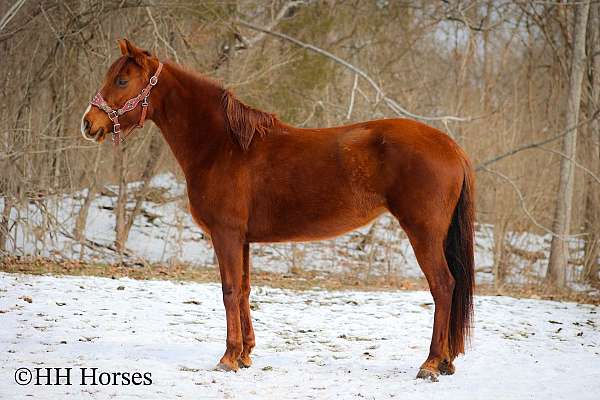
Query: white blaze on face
x,y
89,107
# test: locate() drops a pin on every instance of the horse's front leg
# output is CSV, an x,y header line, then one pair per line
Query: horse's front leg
x,y
229,250
247,330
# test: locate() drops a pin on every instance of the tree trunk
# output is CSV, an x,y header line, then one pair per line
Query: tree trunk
x,y
487,61
121,163
81,221
559,254
4,223
499,268
155,153
592,209
124,222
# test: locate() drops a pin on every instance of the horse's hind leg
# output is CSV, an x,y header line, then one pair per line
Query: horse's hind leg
x,y
246,320
428,245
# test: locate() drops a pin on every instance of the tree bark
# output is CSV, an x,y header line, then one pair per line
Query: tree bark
x,y
559,254
592,209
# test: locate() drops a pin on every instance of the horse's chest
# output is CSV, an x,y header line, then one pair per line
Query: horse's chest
x,y
200,218
216,207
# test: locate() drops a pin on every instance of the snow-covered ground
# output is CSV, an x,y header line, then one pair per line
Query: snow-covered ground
x,y
310,345
165,233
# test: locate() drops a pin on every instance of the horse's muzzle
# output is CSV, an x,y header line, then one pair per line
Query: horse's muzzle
x,y
86,130
88,135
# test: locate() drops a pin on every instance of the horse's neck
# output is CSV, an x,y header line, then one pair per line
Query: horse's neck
x,y
190,116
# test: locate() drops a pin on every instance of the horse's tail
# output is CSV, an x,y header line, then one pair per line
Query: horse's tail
x,y
458,249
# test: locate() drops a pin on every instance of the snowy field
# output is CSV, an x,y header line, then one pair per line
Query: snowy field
x,y
310,345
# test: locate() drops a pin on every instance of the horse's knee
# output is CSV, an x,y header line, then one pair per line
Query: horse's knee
x,y
448,283
231,294
442,287
228,288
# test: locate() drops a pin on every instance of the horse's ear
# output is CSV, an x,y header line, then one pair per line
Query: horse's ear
x,y
124,44
128,49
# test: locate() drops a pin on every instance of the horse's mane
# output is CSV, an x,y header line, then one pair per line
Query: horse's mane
x,y
244,121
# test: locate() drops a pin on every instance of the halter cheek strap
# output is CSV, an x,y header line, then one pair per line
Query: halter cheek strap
x,y
129,105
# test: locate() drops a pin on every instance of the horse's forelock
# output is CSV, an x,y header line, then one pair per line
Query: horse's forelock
x,y
116,68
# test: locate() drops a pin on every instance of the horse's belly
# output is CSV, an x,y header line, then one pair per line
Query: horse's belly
x,y
304,226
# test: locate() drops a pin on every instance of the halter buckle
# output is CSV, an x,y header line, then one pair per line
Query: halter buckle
x,y
145,102
116,128
112,115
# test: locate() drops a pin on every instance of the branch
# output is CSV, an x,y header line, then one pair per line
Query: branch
x,y
575,162
524,206
391,103
246,43
86,242
10,14
352,96
280,15
157,33
483,165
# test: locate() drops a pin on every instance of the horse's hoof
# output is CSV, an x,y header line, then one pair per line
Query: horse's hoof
x,y
427,374
226,367
245,361
446,368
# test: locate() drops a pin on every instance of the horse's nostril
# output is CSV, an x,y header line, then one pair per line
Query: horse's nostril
x,y
86,124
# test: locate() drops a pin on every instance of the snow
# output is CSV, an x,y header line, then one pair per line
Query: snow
x,y
310,344
167,234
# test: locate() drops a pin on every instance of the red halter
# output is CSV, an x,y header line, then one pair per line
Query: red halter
x,y
129,105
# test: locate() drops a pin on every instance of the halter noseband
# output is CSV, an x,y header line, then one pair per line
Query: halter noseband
x,y
129,105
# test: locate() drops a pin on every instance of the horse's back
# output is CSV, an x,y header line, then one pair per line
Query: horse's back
x,y
375,153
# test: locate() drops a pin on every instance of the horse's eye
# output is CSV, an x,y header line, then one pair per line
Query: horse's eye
x,y
121,82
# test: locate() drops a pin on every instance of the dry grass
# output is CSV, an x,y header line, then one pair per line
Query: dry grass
x,y
300,280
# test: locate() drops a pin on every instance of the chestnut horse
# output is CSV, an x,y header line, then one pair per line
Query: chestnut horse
x,y
252,178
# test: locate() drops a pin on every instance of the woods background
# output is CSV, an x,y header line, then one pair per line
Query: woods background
x,y
516,83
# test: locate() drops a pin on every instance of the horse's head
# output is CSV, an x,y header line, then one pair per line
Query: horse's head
x,y
127,84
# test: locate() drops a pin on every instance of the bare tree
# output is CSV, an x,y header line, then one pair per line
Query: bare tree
x,y
592,209
559,252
